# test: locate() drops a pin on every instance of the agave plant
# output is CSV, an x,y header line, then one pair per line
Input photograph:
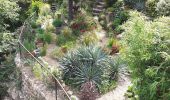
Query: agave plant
x,y
87,64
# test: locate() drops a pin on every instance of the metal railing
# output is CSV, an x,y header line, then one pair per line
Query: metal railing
x,y
26,33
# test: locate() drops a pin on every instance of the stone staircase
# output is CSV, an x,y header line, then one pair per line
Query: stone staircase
x,y
98,7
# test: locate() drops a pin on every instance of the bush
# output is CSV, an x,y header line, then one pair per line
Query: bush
x,y
57,23
163,7
147,53
110,2
30,45
35,6
61,39
48,37
57,53
137,4
45,10
87,64
66,32
44,50
82,23
89,38
151,8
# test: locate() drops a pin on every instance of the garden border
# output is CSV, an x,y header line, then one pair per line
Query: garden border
x,y
57,82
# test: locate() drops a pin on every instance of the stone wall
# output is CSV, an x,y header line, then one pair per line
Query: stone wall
x,y
31,88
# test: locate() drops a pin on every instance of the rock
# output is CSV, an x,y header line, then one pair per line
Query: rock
x,y
70,92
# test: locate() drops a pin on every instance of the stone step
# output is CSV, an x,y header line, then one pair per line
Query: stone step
x,y
99,6
101,3
97,10
95,14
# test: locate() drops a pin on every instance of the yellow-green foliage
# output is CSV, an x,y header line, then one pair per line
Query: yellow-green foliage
x,y
37,70
89,38
44,50
67,32
147,53
57,53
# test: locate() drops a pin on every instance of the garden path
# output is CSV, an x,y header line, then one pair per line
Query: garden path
x,y
119,91
47,58
123,79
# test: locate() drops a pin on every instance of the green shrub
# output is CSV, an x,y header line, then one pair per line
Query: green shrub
x,y
87,64
163,7
151,8
107,86
147,53
61,39
43,51
116,22
66,31
40,31
30,45
33,25
57,23
82,23
35,6
44,10
48,37
57,53
110,2
89,38
137,4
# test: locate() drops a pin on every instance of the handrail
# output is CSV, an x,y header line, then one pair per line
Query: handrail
x,y
20,43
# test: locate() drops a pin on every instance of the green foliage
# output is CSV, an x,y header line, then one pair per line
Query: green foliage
x,y
35,7
61,39
44,50
7,43
30,45
151,8
86,64
120,15
137,4
89,38
57,53
37,70
163,7
8,73
67,32
40,31
147,54
57,23
107,86
48,37
34,25
110,2
9,13
82,23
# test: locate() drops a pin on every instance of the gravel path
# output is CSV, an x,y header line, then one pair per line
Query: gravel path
x,y
123,80
48,59
119,91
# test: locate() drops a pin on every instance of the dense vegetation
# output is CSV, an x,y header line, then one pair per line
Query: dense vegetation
x,y
137,36
147,53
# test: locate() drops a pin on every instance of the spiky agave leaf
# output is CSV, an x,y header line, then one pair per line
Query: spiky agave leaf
x,y
87,63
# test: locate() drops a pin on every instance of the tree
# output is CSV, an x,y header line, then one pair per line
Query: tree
x,y
8,13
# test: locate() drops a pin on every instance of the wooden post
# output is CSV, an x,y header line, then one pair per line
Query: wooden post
x,y
56,88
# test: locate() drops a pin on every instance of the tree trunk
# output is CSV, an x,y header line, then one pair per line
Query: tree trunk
x,y
70,9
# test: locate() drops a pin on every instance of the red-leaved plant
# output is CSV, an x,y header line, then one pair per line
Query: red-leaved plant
x,y
88,91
